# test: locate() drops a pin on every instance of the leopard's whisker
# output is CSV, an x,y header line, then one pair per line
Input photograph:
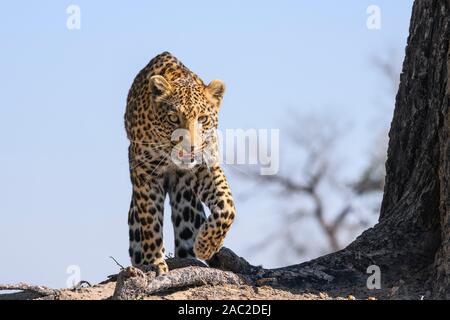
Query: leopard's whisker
x,y
145,158
237,169
150,144
157,166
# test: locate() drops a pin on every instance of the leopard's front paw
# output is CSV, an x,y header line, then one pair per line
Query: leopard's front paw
x,y
158,267
208,242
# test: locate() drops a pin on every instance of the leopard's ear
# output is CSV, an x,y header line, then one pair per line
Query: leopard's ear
x,y
159,87
215,90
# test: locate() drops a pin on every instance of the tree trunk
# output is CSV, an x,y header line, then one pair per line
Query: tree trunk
x,y
411,242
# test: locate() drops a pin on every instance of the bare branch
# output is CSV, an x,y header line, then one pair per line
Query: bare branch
x,y
34,291
120,266
340,218
133,283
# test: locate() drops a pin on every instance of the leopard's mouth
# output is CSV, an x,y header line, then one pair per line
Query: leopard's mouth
x,y
185,154
189,158
186,159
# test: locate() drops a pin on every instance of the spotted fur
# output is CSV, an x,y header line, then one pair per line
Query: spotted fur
x,y
166,96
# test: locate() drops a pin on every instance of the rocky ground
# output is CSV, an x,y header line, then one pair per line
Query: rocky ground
x,y
229,278
206,292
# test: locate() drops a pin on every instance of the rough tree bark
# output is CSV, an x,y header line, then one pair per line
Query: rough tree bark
x,y
411,242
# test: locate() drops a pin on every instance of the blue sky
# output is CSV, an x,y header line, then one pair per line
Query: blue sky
x,y
64,186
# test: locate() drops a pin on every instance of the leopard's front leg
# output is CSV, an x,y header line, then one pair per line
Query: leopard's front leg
x,y
146,221
216,194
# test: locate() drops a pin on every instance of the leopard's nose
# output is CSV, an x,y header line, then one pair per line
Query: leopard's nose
x,y
194,134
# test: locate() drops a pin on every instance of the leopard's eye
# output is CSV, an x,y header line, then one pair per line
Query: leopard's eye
x,y
202,119
174,118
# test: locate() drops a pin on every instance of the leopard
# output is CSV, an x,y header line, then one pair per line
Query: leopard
x,y
171,119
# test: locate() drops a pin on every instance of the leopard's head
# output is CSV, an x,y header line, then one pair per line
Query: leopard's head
x,y
187,115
